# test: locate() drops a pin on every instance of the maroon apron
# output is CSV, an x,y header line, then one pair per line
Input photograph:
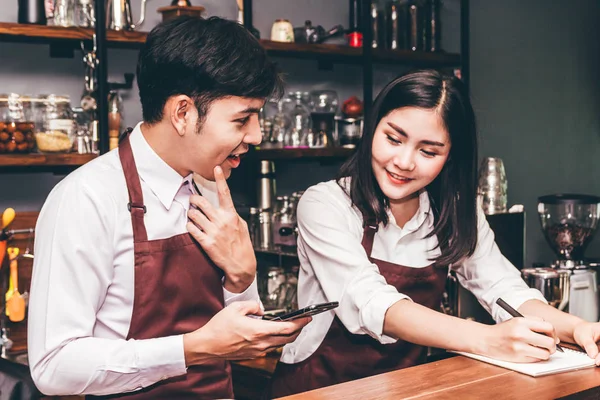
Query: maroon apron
x,y
343,356
178,289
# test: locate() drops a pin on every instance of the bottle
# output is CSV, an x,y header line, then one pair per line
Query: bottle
x,y
375,25
355,36
114,118
416,28
433,26
254,226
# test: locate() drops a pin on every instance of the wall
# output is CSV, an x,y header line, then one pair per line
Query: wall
x,y
534,83
535,78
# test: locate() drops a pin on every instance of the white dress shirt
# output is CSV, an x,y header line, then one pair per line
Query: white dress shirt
x,y
334,266
83,277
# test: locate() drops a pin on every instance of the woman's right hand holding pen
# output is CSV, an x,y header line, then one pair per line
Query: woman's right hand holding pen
x,y
528,339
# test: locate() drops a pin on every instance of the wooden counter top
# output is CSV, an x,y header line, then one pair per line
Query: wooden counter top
x,y
462,378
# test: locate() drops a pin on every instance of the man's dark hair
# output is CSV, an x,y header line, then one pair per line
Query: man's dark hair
x,y
205,59
453,192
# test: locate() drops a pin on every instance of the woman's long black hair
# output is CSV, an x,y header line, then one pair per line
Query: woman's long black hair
x,y
453,193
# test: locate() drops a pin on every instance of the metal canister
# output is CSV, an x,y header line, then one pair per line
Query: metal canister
x,y
266,235
553,283
266,185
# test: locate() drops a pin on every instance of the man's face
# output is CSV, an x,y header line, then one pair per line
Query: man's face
x,y
229,128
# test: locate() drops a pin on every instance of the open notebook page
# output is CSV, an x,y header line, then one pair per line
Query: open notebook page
x,y
570,360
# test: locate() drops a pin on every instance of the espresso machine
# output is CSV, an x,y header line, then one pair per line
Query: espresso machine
x,y
569,222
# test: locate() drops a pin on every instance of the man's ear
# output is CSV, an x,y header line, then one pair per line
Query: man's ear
x,y
180,110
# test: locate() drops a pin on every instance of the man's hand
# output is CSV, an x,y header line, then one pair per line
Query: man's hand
x,y
232,335
224,236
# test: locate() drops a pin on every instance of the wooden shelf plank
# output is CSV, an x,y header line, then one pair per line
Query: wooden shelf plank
x,y
354,54
297,153
45,160
277,251
48,34
134,39
43,33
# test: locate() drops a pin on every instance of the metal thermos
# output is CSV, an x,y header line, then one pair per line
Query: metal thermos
x,y
266,233
32,12
266,185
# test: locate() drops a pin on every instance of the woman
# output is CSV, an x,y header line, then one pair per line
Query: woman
x,y
381,239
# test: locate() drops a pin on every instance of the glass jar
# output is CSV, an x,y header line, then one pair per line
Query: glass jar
x,y
58,133
16,124
84,14
271,281
284,223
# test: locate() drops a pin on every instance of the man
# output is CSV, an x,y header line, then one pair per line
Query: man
x,y
123,299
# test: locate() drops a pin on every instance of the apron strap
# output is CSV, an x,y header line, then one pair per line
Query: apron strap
x,y
370,227
136,200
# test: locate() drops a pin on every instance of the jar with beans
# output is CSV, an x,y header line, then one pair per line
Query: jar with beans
x,y
16,124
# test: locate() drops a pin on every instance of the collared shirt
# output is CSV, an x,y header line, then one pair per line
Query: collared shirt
x,y
335,267
83,277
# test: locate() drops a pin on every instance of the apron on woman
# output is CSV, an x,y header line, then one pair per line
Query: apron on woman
x,y
343,356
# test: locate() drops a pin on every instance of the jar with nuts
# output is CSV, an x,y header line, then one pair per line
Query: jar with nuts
x,y
58,133
16,124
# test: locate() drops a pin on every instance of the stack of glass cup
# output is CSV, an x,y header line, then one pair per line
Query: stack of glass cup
x,y
492,186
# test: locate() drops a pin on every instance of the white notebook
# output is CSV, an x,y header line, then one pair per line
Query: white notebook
x,y
570,360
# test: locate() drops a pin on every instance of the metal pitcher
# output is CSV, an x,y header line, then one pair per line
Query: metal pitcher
x,y
119,18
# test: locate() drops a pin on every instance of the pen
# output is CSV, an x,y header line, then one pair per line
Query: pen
x,y
506,307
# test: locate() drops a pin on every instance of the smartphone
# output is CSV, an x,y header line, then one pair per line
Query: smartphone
x,y
303,312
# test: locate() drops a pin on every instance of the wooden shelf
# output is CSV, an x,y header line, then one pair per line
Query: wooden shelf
x,y
277,251
302,153
45,160
12,32
127,39
353,54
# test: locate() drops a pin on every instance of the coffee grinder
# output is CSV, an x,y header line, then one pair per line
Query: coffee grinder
x,y
569,222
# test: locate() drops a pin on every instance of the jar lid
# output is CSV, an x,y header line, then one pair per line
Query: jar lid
x,y
53,98
569,198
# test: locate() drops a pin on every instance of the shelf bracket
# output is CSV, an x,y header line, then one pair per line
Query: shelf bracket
x,y
62,50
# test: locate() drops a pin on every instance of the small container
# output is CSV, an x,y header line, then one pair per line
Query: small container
x,y
348,131
16,124
58,133
282,31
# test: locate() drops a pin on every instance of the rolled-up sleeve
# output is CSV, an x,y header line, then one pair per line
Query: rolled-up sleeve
x,y
489,275
331,247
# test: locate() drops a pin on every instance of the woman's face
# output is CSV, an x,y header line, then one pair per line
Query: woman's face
x,y
410,147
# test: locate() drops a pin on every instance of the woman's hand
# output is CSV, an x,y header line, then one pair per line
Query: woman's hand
x,y
520,340
587,335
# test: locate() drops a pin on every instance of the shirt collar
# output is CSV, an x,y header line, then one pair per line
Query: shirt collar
x,y
423,215
160,177
208,189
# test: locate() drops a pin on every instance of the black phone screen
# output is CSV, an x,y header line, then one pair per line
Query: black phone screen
x,y
303,312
